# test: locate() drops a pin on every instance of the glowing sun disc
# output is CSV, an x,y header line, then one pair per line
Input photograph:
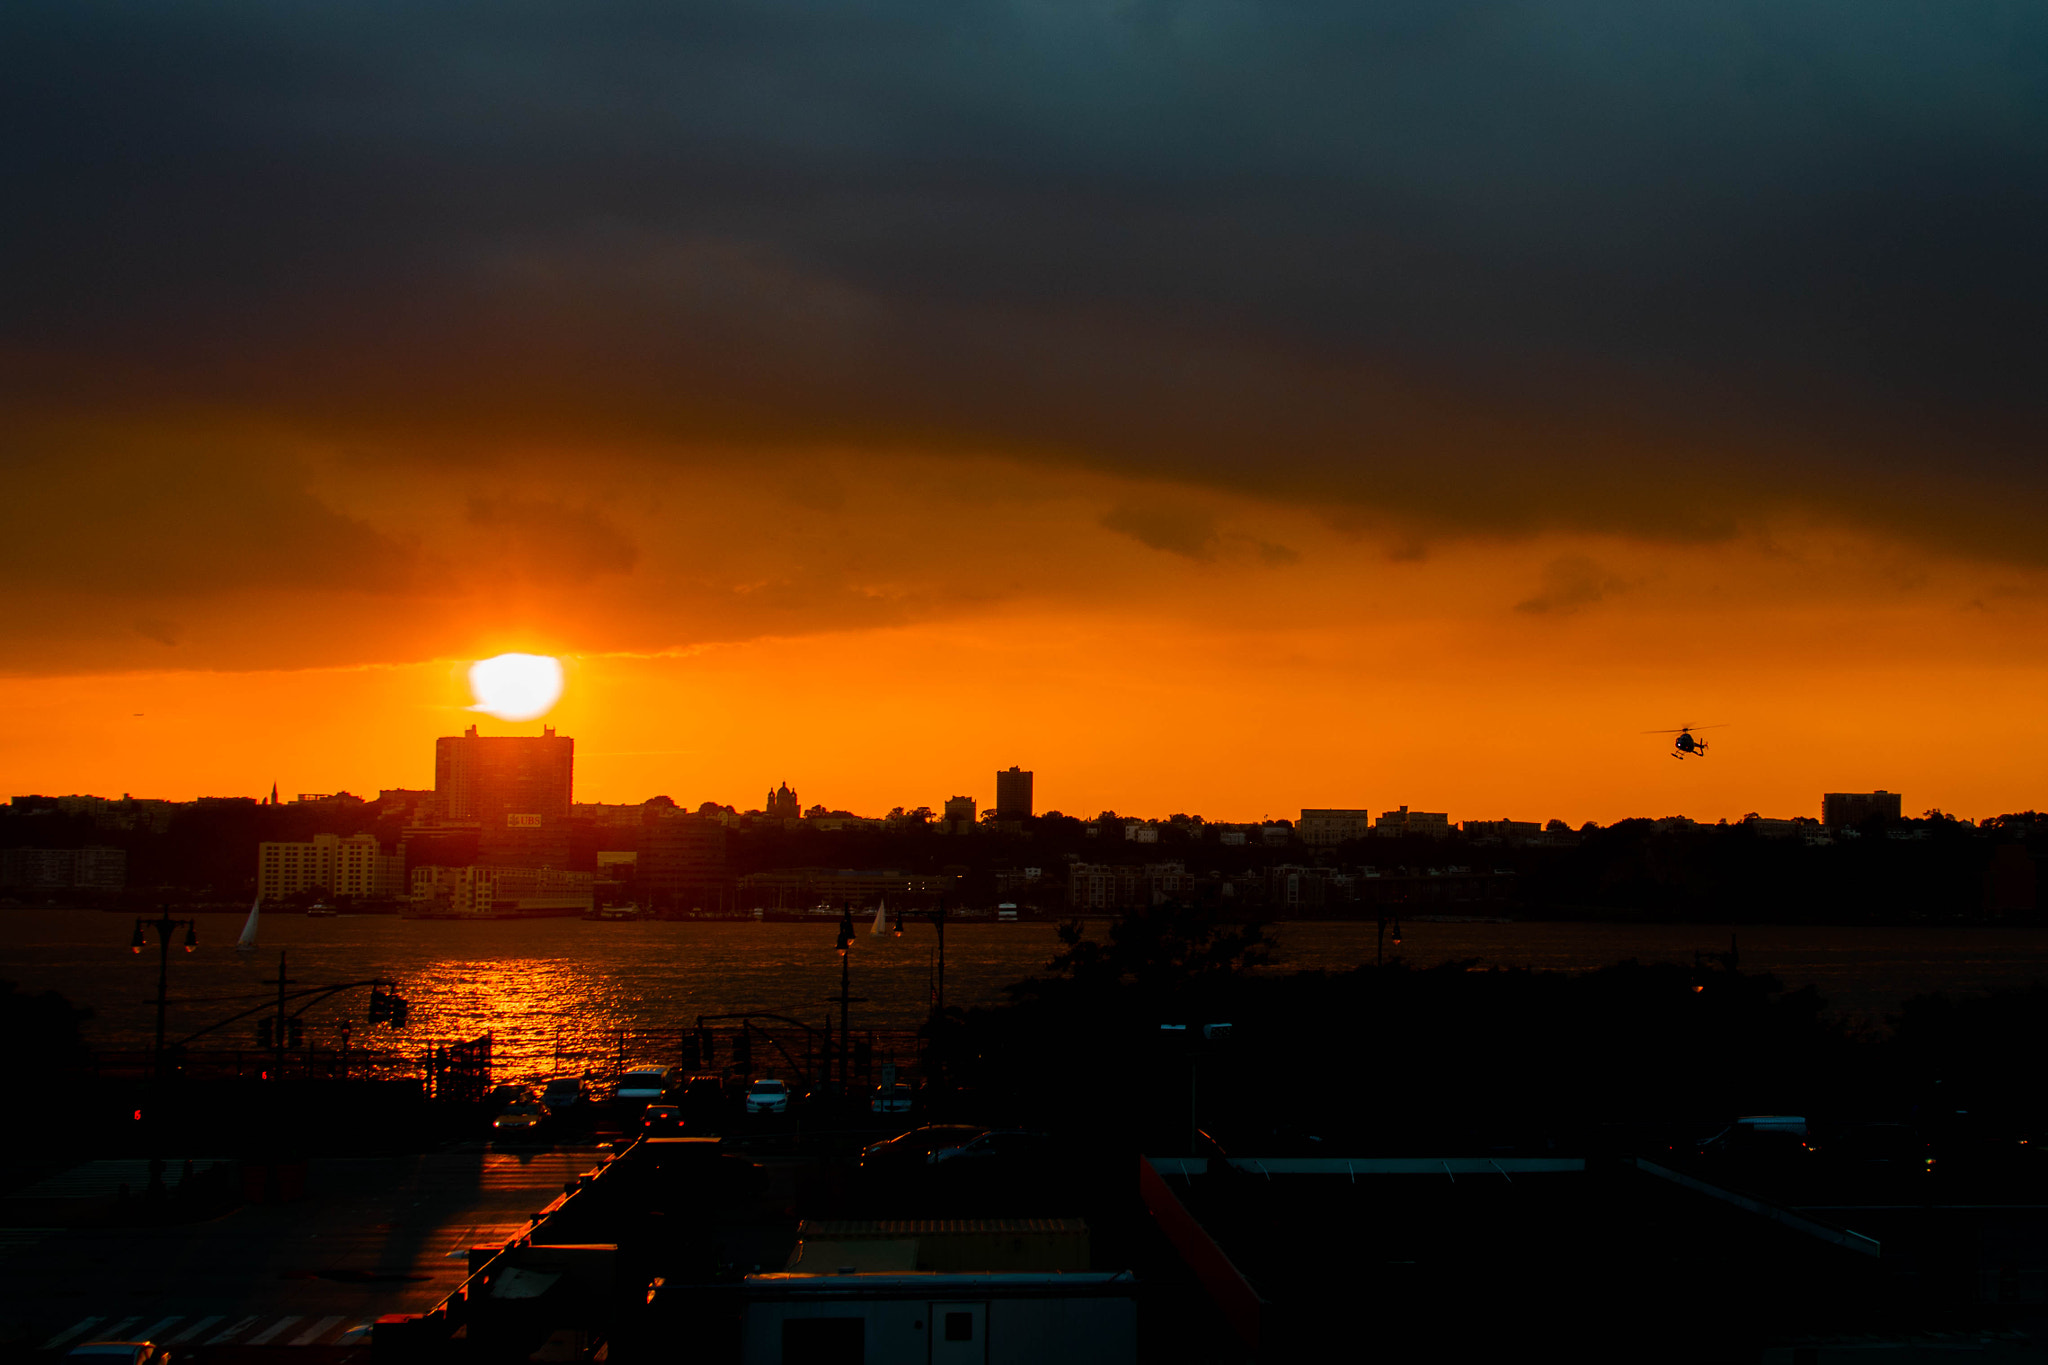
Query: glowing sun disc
x,y
516,686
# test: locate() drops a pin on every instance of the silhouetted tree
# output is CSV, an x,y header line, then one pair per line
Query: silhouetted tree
x,y
42,1032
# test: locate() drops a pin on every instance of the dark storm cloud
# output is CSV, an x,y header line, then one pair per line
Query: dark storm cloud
x,y
1571,584
1616,265
553,541
1189,534
180,519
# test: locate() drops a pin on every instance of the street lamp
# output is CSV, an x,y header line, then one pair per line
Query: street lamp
x,y
164,926
939,922
845,997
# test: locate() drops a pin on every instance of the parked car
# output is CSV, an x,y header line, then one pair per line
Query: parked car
x,y
702,1097
897,1098
661,1120
521,1116
646,1084
768,1096
1758,1135
563,1092
120,1353
913,1150
1007,1144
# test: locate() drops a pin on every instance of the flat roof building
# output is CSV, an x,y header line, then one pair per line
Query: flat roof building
x,y
1013,794
1840,810
491,779
1394,824
1333,826
355,866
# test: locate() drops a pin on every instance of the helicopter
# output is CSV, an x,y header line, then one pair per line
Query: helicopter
x,y
1685,746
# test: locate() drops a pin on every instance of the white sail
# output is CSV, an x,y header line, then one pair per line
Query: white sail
x,y
881,908
246,944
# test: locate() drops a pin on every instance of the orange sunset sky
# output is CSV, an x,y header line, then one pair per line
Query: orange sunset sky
x,y
1228,413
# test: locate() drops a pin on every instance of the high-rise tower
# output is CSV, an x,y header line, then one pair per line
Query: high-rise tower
x,y
1013,794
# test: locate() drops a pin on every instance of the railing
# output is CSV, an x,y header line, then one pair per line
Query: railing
x,y
400,1335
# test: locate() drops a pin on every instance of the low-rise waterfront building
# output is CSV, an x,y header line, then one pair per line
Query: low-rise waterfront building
x,y
352,866
93,868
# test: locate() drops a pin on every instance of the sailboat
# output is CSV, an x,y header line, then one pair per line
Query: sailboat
x,y
246,944
881,909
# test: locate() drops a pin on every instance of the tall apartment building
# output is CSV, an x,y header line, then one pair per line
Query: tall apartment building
x,y
1333,826
355,866
1013,794
1840,809
1394,824
491,779
516,789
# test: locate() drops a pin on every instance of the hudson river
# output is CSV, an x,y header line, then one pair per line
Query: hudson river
x,y
539,985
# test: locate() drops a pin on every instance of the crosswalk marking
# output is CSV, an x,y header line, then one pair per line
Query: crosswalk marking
x,y
76,1329
244,1325
275,1330
99,1179
317,1331
183,1330
205,1324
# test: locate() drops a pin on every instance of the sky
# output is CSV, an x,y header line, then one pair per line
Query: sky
x,y
1214,407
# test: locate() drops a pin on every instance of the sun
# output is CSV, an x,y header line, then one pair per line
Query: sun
x,y
516,686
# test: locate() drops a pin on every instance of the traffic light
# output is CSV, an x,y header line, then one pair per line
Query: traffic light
x,y
380,1006
397,1012
742,1050
295,1033
707,1048
265,1037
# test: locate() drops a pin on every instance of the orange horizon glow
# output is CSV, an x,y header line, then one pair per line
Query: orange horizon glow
x,y
885,632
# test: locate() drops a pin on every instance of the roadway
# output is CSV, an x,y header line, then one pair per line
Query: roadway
x,y
373,1235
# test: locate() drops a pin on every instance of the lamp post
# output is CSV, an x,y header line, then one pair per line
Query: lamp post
x,y
164,926
938,917
845,998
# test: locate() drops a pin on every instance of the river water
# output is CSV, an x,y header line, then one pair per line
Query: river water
x,y
549,988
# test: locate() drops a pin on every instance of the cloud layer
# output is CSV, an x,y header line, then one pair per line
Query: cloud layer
x,y
1433,270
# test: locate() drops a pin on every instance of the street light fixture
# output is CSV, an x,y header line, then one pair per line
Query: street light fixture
x,y
165,926
938,917
846,998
